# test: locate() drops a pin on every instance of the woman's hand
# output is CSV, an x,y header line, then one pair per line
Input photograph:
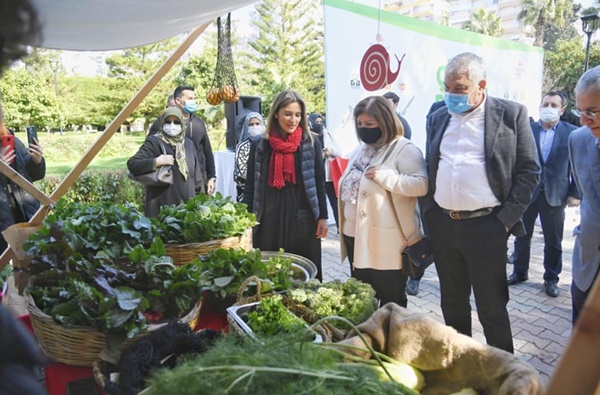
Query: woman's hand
x,y
371,172
164,160
7,156
321,228
36,152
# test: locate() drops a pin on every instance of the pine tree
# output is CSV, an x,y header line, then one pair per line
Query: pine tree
x,y
286,53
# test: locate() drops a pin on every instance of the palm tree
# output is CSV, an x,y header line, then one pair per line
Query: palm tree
x,y
540,13
484,22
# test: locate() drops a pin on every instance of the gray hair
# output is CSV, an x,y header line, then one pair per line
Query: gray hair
x,y
589,80
469,64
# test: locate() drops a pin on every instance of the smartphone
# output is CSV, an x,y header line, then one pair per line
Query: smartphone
x,y
31,135
8,141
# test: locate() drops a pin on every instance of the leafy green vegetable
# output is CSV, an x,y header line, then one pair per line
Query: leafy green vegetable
x,y
203,218
271,317
100,266
282,365
351,299
224,270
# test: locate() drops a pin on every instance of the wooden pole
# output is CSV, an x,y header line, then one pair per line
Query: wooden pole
x,y
578,371
110,130
21,181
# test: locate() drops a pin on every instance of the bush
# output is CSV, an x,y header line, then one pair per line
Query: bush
x,y
99,186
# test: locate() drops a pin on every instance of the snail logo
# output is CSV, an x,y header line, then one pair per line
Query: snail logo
x,y
375,72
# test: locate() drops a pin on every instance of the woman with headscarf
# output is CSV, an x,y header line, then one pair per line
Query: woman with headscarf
x,y
285,187
187,174
330,151
252,125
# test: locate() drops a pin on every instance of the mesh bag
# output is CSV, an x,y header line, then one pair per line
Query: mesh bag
x,y
225,86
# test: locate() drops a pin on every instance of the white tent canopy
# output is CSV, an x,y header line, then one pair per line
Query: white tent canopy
x,y
98,25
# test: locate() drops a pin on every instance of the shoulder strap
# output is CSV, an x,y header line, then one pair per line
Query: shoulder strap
x,y
390,197
162,146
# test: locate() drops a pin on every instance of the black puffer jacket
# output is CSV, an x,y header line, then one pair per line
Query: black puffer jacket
x,y
26,203
313,175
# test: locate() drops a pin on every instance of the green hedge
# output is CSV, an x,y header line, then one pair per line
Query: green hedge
x,y
99,186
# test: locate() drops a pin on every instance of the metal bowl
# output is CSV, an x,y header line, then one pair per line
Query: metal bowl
x,y
304,269
239,314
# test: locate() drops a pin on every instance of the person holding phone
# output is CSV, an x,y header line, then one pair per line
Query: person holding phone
x,y
16,205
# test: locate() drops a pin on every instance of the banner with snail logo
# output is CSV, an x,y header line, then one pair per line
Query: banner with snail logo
x,y
370,51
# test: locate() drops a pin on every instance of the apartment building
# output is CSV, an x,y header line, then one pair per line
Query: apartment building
x,y
456,13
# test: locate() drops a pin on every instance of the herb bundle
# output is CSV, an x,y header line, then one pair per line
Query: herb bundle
x,y
282,365
271,317
351,299
203,218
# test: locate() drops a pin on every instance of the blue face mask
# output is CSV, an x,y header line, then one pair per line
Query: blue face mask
x,y
190,106
457,102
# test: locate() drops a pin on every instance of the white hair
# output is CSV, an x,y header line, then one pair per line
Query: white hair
x,y
468,64
590,80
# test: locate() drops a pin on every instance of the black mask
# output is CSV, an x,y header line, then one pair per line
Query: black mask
x,y
318,128
369,135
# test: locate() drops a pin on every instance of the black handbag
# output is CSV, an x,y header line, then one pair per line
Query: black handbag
x,y
162,176
419,258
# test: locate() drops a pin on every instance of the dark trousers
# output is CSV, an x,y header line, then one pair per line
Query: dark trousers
x,y
553,224
330,191
578,298
389,285
469,254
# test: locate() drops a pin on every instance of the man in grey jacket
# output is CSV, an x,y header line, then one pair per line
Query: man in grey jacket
x,y
483,168
584,153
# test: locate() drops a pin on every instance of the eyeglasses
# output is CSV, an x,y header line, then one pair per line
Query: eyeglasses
x,y
171,122
588,114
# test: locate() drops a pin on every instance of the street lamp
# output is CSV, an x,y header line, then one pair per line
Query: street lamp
x,y
589,23
54,67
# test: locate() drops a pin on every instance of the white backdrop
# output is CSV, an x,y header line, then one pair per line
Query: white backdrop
x,y
514,71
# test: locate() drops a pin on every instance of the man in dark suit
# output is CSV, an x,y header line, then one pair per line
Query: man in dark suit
x,y
555,190
483,168
584,153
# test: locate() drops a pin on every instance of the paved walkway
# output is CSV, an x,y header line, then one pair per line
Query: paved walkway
x,y
541,325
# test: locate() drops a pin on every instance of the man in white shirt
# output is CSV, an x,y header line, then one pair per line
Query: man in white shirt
x,y
483,168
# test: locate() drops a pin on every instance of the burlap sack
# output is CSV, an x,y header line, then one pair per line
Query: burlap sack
x,y
448,360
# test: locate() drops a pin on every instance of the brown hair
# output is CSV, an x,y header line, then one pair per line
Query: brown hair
x,y
283,99
381,111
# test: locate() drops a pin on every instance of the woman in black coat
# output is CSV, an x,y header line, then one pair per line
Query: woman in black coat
x,y
16,205
179,153
285,185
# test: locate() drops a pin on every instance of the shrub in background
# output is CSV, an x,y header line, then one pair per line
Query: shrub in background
x,y
99,186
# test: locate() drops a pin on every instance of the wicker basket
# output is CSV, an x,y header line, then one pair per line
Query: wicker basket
x,y
79,345
186,253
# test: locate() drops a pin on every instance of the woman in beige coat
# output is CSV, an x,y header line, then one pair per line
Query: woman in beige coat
x,y
378,200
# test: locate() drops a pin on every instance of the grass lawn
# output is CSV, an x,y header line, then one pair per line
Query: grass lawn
x,y
62,153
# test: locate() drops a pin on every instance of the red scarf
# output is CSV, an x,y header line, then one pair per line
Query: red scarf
x,y
283,166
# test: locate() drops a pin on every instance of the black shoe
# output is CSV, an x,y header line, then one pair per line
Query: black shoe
x,y
551,289
412,286
515,279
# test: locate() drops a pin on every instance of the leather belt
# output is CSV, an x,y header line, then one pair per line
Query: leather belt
x,y
459,215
